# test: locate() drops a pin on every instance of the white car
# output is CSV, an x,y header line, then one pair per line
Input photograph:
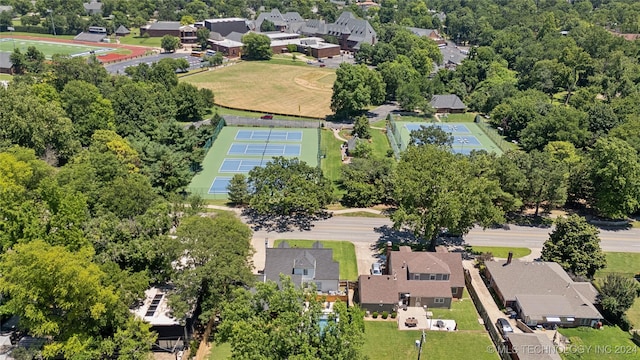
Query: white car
x,y
376,269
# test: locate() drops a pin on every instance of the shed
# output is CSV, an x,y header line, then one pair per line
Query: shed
x,y
122,31
449,103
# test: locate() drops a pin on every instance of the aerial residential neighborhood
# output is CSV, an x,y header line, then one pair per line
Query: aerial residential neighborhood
x,y
319,180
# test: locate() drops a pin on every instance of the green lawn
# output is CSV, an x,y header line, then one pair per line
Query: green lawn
x,y
17,33
380,143
379,124
343,252
501,252
135,39
220,351
627,264
463,312
49,48
252,114
383,341
332,162
456,118
588,343
6,77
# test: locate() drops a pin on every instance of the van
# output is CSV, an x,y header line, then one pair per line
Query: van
x,y
210,52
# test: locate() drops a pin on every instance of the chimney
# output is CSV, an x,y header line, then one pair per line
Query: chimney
x,y
509,258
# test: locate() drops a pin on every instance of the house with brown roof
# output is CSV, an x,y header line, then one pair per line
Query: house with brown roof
x,y
413,279
449,103
543,293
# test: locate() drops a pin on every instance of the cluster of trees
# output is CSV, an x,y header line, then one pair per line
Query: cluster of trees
x,y
93,171
282,321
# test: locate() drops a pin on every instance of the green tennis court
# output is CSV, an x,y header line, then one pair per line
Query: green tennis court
x,y
237,150
467,137
50,48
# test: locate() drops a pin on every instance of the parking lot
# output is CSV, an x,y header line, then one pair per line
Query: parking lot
x,y
118,68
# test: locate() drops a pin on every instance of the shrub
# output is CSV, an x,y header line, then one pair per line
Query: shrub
x,y
385,314
375,314
394,315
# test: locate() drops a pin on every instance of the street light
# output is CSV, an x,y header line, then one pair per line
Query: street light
x,y
52,24
421,343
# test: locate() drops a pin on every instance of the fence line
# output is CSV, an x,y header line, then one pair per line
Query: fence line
x,y
321,154
492,134
214,136
392,142
236,120
491,329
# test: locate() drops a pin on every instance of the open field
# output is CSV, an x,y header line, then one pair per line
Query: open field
x,y
135,39
343,252
501,252
50,48
18,33
383,341
270,88
607,343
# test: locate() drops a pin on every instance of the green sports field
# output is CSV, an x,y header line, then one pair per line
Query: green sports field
x,y
239,149
49,48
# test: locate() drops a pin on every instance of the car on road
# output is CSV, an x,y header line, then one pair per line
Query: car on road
x,y
376,269
266,117
504,327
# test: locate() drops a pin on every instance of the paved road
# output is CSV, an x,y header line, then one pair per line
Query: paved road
x,y
118,68
366,232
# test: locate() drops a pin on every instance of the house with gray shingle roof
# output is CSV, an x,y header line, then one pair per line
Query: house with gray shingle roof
x,y
449,103
122,31
304,265
532,347
6,65
282,22
431,279
93,7
543,293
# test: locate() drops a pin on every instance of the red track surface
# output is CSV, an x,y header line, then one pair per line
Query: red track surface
x,y
136,51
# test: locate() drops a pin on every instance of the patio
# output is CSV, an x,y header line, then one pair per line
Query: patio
x,y
417,318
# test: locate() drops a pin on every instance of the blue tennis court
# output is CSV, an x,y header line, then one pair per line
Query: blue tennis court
x,y
465,140
265,149
241,165
450,128
219,185
263,135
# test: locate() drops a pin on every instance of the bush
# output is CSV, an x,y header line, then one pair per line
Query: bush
x,y
394,315
385,314
375,314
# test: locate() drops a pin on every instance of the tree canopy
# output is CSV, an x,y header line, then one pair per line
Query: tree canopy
x,y
256,47
575,245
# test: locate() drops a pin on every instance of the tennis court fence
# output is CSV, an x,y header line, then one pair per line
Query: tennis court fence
x,y
214,136
235,120
492,134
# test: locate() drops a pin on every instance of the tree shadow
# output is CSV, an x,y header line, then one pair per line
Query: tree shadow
x,y
282,223
530,221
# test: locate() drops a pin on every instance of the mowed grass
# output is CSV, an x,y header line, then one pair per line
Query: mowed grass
x,y
462,311
49,48
332,162
456,118
383,341
6,77
380,143
220,351
273,88
588,343
18,33
343,252
135,39
501,252
627,264
250,114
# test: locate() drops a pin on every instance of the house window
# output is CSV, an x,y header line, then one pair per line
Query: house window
x,y
439,300
445,277
454,291
305,271
432,276
584,322
416,276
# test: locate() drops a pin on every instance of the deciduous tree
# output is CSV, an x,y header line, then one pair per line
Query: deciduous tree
x,y
431,135
256,47
617,294
575,245
361,128
238,190
170,43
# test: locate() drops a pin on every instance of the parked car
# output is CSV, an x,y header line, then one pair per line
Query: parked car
x,y
504,327
376,269
266,117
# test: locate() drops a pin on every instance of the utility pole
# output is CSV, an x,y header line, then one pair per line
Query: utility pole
x,y
52,24
11,29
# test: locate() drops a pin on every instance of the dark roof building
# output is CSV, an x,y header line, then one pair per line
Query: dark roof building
x,y
122,31
303,265
161,28
226,26
289,22
419,279
6,66
449,103
93,7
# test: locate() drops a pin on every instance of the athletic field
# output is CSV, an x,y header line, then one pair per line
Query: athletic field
x,y
237,150
50,48
270,88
